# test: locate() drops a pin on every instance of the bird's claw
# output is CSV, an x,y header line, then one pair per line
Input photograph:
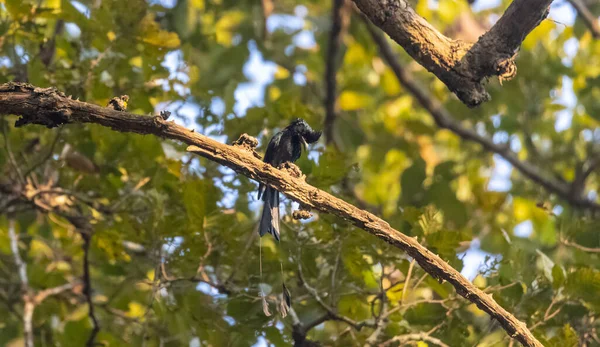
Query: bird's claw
x,y
292,169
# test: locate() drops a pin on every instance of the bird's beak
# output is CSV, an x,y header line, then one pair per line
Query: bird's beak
x,y
304,143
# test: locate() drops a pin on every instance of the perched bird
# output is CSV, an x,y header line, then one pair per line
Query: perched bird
x,y
285,146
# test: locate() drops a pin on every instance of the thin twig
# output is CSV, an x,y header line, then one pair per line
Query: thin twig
x,y
402,339
332,289
87,288
580,247
44,294
11,156
330,311
407,282
47,156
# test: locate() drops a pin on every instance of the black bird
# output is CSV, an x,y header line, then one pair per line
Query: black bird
x,y
285,146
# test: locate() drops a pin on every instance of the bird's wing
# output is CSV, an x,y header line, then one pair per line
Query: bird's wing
x,y
272,148
270,158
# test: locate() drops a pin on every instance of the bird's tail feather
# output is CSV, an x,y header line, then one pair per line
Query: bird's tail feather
x,y
269,221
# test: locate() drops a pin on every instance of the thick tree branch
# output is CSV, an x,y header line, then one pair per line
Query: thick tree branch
x,y
51,108
462,66
445,121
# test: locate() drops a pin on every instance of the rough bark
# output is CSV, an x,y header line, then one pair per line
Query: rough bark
x,y
51,108
462,66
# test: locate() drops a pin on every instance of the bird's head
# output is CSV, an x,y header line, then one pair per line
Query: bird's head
x,y
300,127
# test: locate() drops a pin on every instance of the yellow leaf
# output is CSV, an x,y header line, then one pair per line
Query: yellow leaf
x,y
350,101
111,35
194,74
389,83
136,310
136,61
39,249
153,35
281,73
274,93
480,282
226,25
355,55
79,313
521,209
541,32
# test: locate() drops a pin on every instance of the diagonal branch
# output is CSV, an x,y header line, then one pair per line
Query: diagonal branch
x,y
462,66
587,16
445,121
51,108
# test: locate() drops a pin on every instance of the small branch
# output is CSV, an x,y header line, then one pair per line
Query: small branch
x,y
332,289
402,339
87,287
202,278
588,18
51,108
407,281
444,120
331,68
25,289
462,66
592,165
44,294
331,313
47,156
11,156
580,247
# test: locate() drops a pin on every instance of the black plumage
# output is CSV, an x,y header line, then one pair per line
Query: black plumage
x,y
285,146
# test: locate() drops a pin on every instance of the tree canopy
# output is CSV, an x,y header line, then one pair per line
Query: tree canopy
x,y
114,232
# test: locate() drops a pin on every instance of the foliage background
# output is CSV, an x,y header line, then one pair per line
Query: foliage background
x,y
223,69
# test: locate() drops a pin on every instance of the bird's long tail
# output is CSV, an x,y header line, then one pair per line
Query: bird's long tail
x,y
269,221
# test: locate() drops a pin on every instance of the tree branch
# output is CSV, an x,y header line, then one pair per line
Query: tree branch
x,y
51,108
25,289
87,287
330,312
462,66
331,68
402,339
445,121
588,18
580,247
